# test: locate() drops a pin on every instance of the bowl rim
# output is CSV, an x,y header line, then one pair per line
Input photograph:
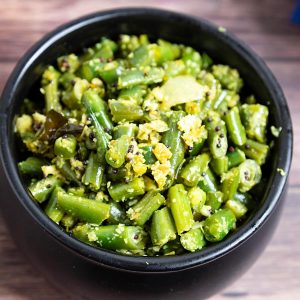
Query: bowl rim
x,y
144,263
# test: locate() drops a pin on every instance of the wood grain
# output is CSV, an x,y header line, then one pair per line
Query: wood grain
x,y
265,26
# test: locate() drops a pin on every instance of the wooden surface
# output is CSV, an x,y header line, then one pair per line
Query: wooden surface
x,y
264,25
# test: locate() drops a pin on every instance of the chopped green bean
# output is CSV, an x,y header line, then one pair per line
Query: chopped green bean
x,y
124,191
192,172
218,225
93,174
32,166
116,153
180,207
65,146
230,183
235,157
193,240
141,212
250,174
42,189
162,227
51,210
118,237
235,127
256,151
82,208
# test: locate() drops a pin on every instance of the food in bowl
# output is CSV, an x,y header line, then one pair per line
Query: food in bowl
x,y
143,148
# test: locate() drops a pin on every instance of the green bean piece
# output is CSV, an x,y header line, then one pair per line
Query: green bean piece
x,y
68,63
173,248
166,51
217,139
82,152
123,191
128,43
192,60
142,56
50,81
180,208
220,165
229,78
73,95
256,151
232,99
254,118
68,222
220,99
102,139
125,110
162,227
191,173
93,174
218,225
76,191
32,166
250,174
117,214
133,77
172,139
117,150
238,208
230,183
118,237
104,50
136,92
207,79
65,146
81,232
214,200
66,170
51,209
153,75
128,129
88,69
197,199
246,199
174,68
98,107
226,99
116,174
150,184
193,240
141,212
147,151
67,79
235,127
208,182
84,209
235,157
41,190
196,148
206,61
110,71
130,78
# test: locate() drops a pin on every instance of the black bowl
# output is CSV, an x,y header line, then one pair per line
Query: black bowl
x,y
89,273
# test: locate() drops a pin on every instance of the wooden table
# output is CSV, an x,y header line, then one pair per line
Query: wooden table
x,y
265,26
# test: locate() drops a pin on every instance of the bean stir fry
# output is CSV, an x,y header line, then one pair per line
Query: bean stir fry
x,y
143,148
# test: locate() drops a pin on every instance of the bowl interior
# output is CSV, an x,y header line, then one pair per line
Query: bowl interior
x,y
221,46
